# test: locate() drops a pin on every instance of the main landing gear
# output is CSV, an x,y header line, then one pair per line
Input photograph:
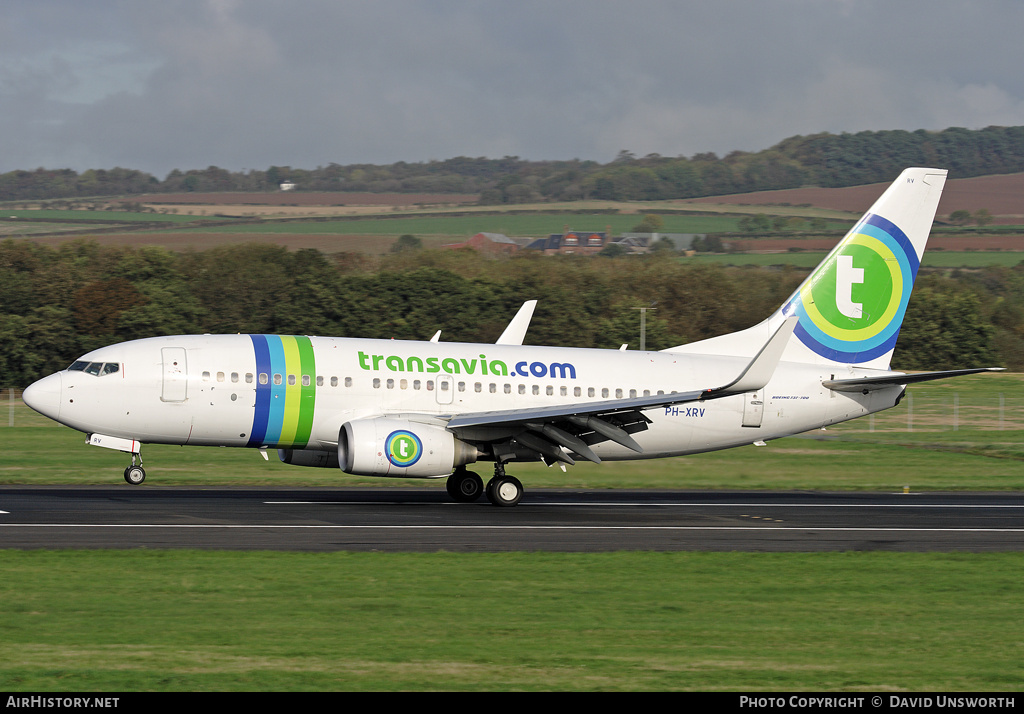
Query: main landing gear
x,y
135,474
502,490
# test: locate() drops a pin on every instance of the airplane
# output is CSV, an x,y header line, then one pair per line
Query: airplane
x,y
430,409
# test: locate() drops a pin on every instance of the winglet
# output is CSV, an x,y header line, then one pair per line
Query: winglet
x,y
516,330
760,370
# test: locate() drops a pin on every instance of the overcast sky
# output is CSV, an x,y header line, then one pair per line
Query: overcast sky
x,y
246,84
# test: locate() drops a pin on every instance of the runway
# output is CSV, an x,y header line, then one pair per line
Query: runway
x,y
425,520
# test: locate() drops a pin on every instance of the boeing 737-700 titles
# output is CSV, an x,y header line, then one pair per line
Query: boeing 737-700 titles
x,y
430,409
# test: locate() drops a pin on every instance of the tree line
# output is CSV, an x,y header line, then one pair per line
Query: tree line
x,y
830,160
58,303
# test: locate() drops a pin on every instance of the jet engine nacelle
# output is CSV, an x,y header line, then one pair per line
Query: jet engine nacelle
x,y
398,447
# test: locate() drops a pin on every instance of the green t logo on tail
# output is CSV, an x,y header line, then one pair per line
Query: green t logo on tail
x,y
852,306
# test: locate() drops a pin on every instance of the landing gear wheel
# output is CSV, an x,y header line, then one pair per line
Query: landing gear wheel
x,y
134,475
464,486
504,490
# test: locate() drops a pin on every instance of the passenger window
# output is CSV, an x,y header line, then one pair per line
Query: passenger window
x,y
291,380
248,377
206,376
263,378
277,379
220,376
376,382
416,384
536,389
319,381
305,380
234,376
590,391
550,390
508,388
391,384
522,389
576,391
604,391
476,387
618,394
403,384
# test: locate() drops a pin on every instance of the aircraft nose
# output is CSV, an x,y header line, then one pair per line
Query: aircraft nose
x,y
44,395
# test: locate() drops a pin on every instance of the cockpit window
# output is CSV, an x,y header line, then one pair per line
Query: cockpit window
x,y
98,369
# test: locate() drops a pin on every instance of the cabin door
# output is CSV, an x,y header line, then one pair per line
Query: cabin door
x,y
175,388
753,408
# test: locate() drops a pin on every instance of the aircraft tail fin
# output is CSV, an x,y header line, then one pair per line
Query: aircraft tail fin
x,y
851,307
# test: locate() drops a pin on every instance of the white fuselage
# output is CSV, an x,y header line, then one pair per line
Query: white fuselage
x,y
297,392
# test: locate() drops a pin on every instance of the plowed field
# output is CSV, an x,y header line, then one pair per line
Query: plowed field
x,y
1003,196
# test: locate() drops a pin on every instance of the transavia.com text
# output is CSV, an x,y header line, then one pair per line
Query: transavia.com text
x,y
891,701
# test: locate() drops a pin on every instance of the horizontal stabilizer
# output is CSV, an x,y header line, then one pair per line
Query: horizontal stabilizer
x,y
867,384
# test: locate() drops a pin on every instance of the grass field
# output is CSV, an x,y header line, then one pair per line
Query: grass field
x,y
215,621
86,217
375,234
530,224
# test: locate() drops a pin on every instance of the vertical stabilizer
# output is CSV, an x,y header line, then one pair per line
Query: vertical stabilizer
x,y
851,307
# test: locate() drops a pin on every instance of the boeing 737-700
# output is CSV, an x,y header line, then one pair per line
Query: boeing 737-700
x,y
430,409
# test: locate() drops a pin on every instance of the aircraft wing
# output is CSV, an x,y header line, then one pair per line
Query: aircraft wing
x,y
575,427
867,384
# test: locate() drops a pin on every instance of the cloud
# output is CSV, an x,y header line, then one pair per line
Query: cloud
x,y
192,83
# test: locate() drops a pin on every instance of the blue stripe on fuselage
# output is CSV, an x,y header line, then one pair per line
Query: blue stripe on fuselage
x,y
258,434
277,391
